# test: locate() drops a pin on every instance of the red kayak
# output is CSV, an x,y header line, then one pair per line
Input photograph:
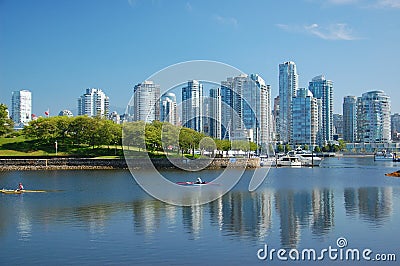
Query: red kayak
x,y
195,183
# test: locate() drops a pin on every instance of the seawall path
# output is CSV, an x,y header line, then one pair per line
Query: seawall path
x,y
137,163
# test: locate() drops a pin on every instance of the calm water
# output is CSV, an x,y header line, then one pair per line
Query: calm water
x,y
103,217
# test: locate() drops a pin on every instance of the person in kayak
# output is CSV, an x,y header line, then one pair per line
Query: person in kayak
x,y
20,186
199,181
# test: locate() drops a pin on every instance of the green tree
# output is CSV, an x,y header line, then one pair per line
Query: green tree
x,y
62,127
80,130
326,148
186,139
134,134
170,137
342,145
223,145
317,149
253,146
6,124
288,148
153,136
42,129
280,148
207,144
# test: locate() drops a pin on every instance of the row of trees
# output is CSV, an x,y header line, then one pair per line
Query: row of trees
x,y
155,136
163,136
74,130
326,148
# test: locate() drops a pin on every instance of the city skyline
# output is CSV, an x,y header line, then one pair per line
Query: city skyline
x,y
47,50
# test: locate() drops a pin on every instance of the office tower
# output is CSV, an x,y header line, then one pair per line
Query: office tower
x,y
246,109
395,120
232,108
373,117
350,119
322,89
337,126
305,118
168,112
146,102
192,105
215,118
276,118
21,107
288,84
258,98
93,103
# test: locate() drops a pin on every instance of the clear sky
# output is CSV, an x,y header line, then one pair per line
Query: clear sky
x,y
57,49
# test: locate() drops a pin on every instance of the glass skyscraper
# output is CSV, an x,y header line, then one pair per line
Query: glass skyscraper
x,y
192,105
395,120
246,109
350,118
146,102
305,122
373,117
168,112
322,89
288,84
215,118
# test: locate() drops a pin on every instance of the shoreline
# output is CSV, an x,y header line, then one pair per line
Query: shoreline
x,y
26,164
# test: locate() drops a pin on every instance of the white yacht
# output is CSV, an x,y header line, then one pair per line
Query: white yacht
x,y
289,160
383,156
307,158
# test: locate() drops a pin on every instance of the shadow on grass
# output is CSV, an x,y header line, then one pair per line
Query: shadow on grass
x,y
29,146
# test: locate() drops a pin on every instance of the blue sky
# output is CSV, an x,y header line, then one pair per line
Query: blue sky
x,y
57,49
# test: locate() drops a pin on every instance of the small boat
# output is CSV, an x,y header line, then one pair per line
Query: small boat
x,y
189,183
307,158
289,160
383,156
20,191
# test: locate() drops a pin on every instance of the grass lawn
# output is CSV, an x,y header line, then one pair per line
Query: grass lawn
x,y
20,146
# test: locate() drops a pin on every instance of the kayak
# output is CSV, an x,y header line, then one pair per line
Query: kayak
x,y
195,183
16,191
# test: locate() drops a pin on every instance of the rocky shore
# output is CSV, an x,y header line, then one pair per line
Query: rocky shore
x,y
19,164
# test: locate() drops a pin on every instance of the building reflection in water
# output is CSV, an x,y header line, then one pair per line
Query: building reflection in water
x,y
193,219
323,211
373,204
243,213
238,213
289,223
248,214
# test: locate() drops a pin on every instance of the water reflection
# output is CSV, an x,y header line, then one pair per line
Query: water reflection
x,y
243,213
323,211
239,214
372,204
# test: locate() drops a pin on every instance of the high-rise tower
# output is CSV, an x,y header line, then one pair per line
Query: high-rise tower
x,y
288,84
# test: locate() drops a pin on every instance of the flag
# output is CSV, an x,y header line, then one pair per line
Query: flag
x,y
47,112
